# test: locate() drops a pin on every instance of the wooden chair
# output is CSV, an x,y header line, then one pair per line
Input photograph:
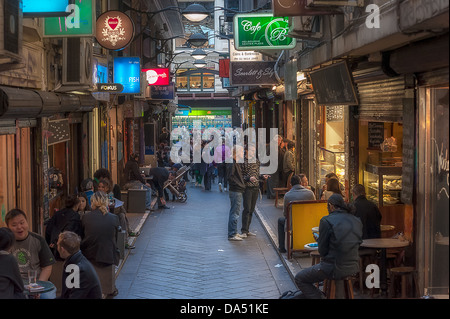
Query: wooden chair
x,y
283,190
404,273
330,288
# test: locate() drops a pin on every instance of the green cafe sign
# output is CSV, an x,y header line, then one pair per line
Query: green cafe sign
x,y
79,23
261,31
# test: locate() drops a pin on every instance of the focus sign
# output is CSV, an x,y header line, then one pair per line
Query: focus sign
x,y
262,31
110,87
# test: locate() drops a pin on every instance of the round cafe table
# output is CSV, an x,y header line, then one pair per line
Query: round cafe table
x,y
383,244
48,286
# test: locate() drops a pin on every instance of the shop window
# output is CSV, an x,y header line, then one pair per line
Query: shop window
x,y
189,81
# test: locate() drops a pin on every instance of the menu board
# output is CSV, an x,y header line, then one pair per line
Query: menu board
x,y
335,113
376,134
409,152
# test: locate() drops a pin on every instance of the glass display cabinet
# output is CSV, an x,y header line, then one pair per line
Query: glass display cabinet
x,y
383,184
331,162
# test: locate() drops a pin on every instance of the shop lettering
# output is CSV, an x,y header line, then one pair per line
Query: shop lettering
x,y
249,27
258,74
133,79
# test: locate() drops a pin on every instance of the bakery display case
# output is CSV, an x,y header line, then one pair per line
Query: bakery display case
x,y
331,162
383,184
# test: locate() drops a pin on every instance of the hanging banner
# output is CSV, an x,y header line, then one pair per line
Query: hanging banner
x,y
262,31
252,73
162,92
159,76
115,30
78,23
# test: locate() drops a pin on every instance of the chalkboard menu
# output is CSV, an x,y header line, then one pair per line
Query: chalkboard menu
x,y
409,152
333,85
376,134
58,131
335,113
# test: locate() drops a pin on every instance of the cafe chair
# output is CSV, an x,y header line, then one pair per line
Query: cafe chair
x,y
282,190
407,275
315,257
329,288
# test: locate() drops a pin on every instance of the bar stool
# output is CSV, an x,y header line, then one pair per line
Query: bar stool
x,y
315,257
404,273
330,288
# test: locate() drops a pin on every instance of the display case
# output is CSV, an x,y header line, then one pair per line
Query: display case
x,y
331,162
383,184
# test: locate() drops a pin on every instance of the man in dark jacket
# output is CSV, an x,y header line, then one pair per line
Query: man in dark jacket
x,y
236,190
160,175
79,279
368,212
339,240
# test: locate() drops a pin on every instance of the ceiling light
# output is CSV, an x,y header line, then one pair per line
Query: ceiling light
x,y
197,39
198,54
195,12
200,63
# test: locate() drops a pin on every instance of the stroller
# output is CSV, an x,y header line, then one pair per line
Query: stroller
x,y
177,186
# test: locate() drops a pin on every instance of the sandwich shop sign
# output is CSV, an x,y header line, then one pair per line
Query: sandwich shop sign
x,y
262,31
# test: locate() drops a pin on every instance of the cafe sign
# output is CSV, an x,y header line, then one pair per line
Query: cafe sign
x,y
159,76
253,73
114,30
262,31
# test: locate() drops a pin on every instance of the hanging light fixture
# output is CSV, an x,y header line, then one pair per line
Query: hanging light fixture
x,y
197,39
195,12
200,63
198,54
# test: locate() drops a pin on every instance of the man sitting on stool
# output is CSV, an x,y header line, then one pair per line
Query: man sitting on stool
x,y
339,240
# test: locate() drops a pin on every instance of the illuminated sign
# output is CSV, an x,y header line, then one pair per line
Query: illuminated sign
x,y
127,71
115,30
110,87
262,31
157,76
54,8
78,23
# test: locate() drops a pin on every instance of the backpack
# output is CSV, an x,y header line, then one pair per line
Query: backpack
x,y
292,295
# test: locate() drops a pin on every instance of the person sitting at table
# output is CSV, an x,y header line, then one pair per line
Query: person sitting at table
x,y
11,283
367,211
338,245
30,249
99,242
134,179
88,282
332,187
297,192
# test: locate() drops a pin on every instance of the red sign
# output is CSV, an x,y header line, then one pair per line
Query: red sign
x,y
157,76
224,68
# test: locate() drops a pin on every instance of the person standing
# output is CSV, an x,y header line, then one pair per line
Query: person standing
x,y
221,153
11,283
160,176
368,212
89,287
134,179
99,242
297,192
339,241
288,162
236,190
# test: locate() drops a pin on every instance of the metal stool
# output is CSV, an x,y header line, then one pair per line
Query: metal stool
x,y
330,288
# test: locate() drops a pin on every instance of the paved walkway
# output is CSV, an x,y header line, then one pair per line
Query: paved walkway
x,y
183,253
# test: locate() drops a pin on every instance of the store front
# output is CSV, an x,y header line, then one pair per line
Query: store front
x,y
218,119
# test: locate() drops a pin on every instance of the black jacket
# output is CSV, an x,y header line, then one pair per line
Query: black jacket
x,y
11,283
89,288
132,173
339,240
370,217
236,182
100,236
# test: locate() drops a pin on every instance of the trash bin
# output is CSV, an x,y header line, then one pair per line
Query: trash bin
x,y
136,200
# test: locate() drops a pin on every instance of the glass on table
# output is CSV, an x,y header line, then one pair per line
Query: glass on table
x,y
32,276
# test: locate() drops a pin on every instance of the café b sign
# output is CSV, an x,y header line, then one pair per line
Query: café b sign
x,y
262,31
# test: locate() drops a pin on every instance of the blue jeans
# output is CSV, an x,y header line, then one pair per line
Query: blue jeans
x,y
236,202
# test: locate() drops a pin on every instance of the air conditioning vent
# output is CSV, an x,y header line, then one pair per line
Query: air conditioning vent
x,y
10,31
77,63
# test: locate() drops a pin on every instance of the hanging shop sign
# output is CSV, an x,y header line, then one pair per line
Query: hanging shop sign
x,y
333,85
243,56
224,68
54,8
127,71
110,87
262,31
58,131
78,23
253,73
114,30
159,76
162,92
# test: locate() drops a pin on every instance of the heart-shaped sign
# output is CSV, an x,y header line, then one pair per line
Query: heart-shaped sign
x,y
113,22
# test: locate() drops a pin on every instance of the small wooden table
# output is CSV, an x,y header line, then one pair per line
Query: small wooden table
x,y
383,244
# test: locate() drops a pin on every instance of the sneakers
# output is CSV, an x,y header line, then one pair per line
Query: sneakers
x,y
236,237
245,235
251,234
220,186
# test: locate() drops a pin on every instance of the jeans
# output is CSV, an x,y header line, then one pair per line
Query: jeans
x,y
272,182
235,201
306,278
281,233
249,198
222,172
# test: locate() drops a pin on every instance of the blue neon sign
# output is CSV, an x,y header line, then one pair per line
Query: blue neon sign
x,y
127,71
54,8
